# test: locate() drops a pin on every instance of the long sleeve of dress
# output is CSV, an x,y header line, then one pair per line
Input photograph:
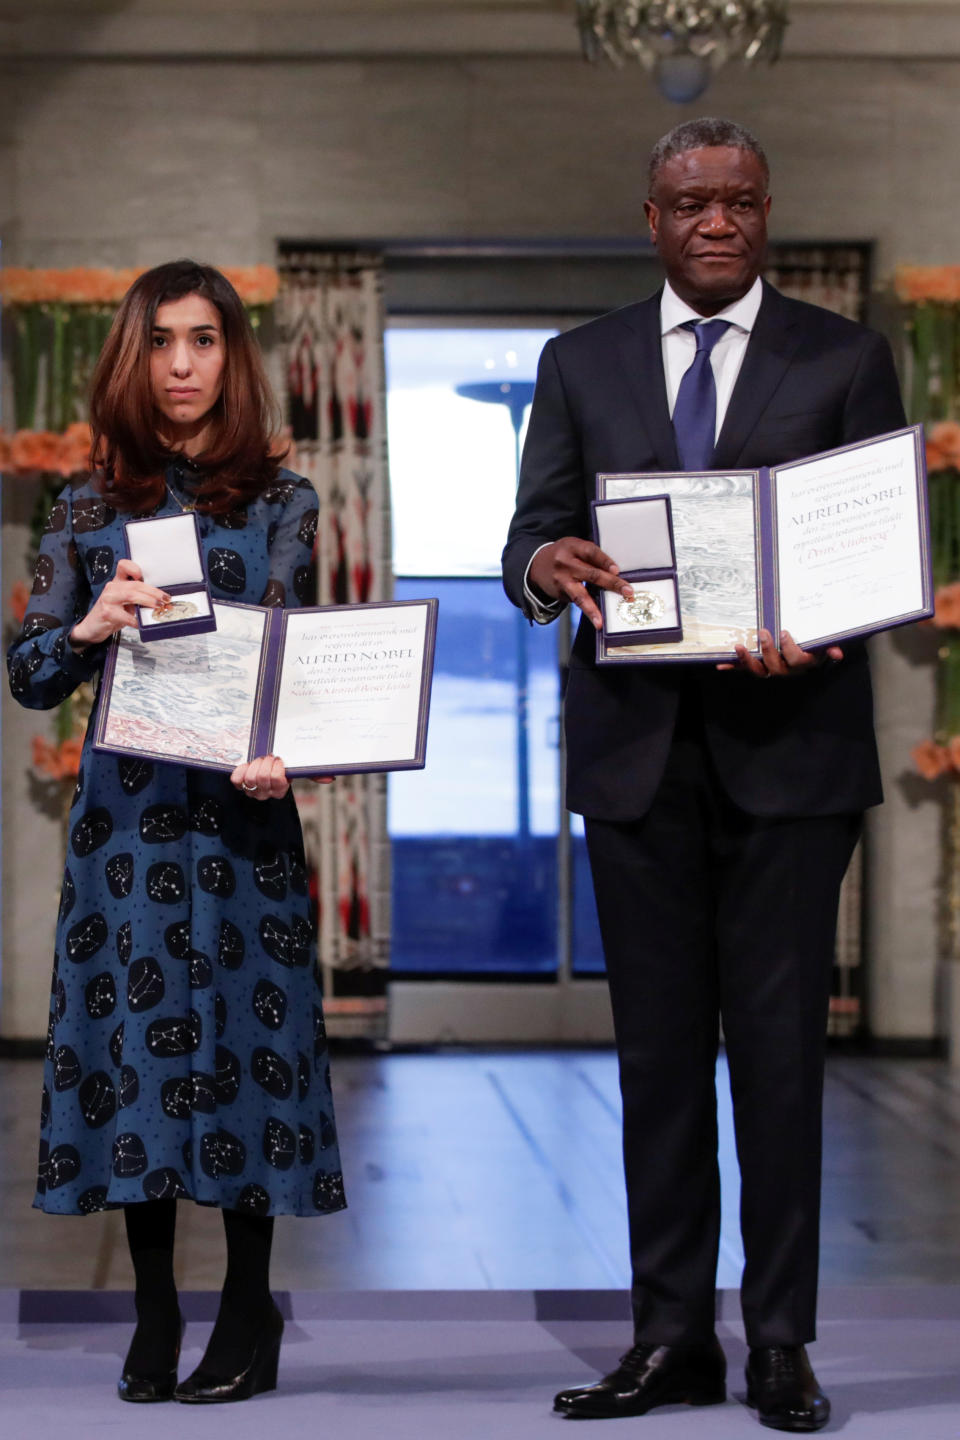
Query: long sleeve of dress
x,y
42,667
291,540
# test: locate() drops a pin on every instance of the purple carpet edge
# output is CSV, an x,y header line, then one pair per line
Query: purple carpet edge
x,y
45,1307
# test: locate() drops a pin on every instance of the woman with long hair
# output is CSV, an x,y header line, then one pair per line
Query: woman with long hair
x,y
186,1054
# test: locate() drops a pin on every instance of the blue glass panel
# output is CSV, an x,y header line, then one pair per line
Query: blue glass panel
x,y
475,833
587,951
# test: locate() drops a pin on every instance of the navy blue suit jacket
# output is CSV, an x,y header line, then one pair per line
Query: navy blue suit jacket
x,y
810,381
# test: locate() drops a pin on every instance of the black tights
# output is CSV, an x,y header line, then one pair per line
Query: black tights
x,y
244,1303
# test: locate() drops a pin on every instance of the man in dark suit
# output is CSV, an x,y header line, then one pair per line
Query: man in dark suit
x,y
721,804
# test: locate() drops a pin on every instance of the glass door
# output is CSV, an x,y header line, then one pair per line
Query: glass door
x,y
491,918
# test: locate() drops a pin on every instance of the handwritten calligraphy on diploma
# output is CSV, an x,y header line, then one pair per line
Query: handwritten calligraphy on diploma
x,y
350,688
848,530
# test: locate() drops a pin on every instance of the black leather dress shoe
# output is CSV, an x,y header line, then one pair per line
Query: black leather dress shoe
x,y
783,1389
650,1375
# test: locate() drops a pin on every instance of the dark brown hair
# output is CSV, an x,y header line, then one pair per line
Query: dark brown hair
x,y
127,451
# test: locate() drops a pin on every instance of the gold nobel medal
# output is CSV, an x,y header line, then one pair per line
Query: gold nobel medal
x,y
644,610
176,610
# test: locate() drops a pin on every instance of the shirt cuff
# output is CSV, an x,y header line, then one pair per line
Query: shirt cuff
x,y
542,611
82,664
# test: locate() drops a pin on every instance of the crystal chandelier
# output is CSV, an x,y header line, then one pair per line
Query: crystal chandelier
x,y
682,43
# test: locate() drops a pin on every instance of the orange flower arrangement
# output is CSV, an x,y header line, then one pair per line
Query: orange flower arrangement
x,y
946,607
19,600
943,446
74,449
29,452
60,762
932,760
916,283
255,284
33,450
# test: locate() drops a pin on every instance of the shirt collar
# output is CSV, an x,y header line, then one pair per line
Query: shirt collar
x,y
675,312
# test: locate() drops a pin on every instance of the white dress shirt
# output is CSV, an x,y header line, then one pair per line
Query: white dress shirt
x,y
679,346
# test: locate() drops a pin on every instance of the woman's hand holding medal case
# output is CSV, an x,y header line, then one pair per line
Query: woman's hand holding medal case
x,y
167,550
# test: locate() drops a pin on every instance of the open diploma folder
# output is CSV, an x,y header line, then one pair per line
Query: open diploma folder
x,y
828,548
330,689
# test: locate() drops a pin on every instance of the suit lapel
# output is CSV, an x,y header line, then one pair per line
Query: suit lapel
x,y
642,368
773,342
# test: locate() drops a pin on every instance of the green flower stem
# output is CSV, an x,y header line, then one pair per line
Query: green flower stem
x,y
923,330
56,379
29,324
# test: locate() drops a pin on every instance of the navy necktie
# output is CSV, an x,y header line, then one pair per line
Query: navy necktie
x,y
695,413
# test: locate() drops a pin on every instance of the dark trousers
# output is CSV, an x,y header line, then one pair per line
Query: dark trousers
x,y
707,912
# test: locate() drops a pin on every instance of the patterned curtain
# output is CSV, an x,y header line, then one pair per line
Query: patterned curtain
x,y
330,317
836,276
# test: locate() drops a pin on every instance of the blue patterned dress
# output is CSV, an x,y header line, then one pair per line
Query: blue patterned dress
x,y
186,1053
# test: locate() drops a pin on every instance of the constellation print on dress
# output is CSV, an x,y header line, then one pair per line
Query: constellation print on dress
x,y
229,1074
63,1166
66,1068
135,775
215,876
91,831
100,996
269,1004
129,1087
98,1099
99,564
84,939
227,571
166,883
129,1156
231,947
116,1044
206,817
174,1036
164,1184
255,1199
145,984
303,1076
119,873
68,895
222,1154
271,1072
160,824
279,1144
59,997
124,942
328,1191
201,971
275,939
269,876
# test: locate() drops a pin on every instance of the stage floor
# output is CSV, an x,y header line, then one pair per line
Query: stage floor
x,y
482,1263
466,1365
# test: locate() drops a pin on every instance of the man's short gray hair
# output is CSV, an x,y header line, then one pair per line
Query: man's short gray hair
x,y
705,133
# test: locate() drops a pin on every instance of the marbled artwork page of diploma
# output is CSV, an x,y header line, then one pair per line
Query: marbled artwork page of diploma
x,y
715,532
850,546
190,699
349,687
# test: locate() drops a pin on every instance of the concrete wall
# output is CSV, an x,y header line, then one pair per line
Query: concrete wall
x,y
130,133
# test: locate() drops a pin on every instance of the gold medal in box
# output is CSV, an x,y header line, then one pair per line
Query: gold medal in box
x,y
637,534
168,551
